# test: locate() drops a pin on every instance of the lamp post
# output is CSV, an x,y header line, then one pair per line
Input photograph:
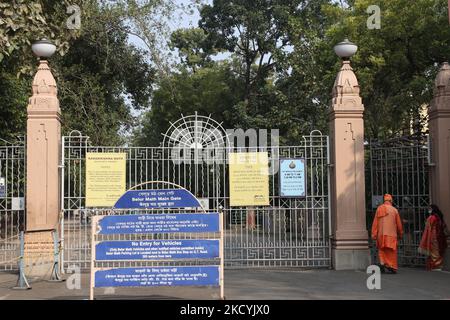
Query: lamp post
x,y
350,250
43,157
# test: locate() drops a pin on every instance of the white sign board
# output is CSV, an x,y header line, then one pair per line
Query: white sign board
x,y
18,203
204,202
2,188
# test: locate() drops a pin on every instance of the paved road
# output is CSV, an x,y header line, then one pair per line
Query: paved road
x,y
259,285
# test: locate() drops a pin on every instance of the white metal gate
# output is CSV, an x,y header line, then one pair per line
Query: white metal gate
x,y
400,167
12,195
289,232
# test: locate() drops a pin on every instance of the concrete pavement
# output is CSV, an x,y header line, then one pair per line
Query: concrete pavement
x,y
244,284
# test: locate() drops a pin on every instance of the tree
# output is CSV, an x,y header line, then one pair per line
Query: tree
x,y
101,78
149,21
21,23
191,46
256,32
24,21
259,36
209,91
397,64
14,93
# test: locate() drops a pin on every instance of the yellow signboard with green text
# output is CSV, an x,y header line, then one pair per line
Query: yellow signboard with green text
x,y
249,179
105,178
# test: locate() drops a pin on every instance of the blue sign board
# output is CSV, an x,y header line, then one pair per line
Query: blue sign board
x,y
2,188
159,223
157,250
157,199
292,178
158,276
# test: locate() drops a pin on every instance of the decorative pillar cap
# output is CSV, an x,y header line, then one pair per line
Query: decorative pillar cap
x,y
442,83
44,101
44,82
346,81
346,90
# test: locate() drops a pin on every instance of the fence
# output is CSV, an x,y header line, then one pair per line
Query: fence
x,y
400,167
12,206
290,232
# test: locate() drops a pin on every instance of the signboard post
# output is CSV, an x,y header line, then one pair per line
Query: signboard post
x,y
249,179
292,178
163,255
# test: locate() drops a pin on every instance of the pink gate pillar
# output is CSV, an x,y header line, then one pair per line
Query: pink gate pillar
x,y
43,153
439,124
350,250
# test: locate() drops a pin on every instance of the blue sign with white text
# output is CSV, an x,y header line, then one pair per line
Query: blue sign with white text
x,y
157,199
292,178
158,276
159,223
157,250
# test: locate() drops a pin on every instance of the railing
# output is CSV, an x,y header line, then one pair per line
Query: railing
x,y
400,167
12,201
290,232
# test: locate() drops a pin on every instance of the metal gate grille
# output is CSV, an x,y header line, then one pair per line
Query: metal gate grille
x,y
12,195
289,232
400,167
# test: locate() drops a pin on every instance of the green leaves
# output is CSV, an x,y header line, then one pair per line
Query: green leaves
x,y
395,65
22,22
101,77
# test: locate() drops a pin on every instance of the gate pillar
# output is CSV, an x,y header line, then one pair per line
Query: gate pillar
x,y
350,250
43,181
439,124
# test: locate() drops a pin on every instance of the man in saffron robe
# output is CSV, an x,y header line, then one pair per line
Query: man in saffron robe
x,y
434,242
387,229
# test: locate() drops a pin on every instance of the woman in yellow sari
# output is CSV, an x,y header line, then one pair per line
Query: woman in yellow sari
x,y
434,242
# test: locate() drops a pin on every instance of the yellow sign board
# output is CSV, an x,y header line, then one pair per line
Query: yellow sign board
x,y
249,179
105,178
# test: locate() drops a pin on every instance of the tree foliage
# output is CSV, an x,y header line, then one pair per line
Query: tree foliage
x,y
282,66
24,21
210,91
251,64
102,79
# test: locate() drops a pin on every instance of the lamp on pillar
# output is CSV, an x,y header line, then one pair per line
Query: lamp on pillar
x,y
43,49
43,156
345,49
349,232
